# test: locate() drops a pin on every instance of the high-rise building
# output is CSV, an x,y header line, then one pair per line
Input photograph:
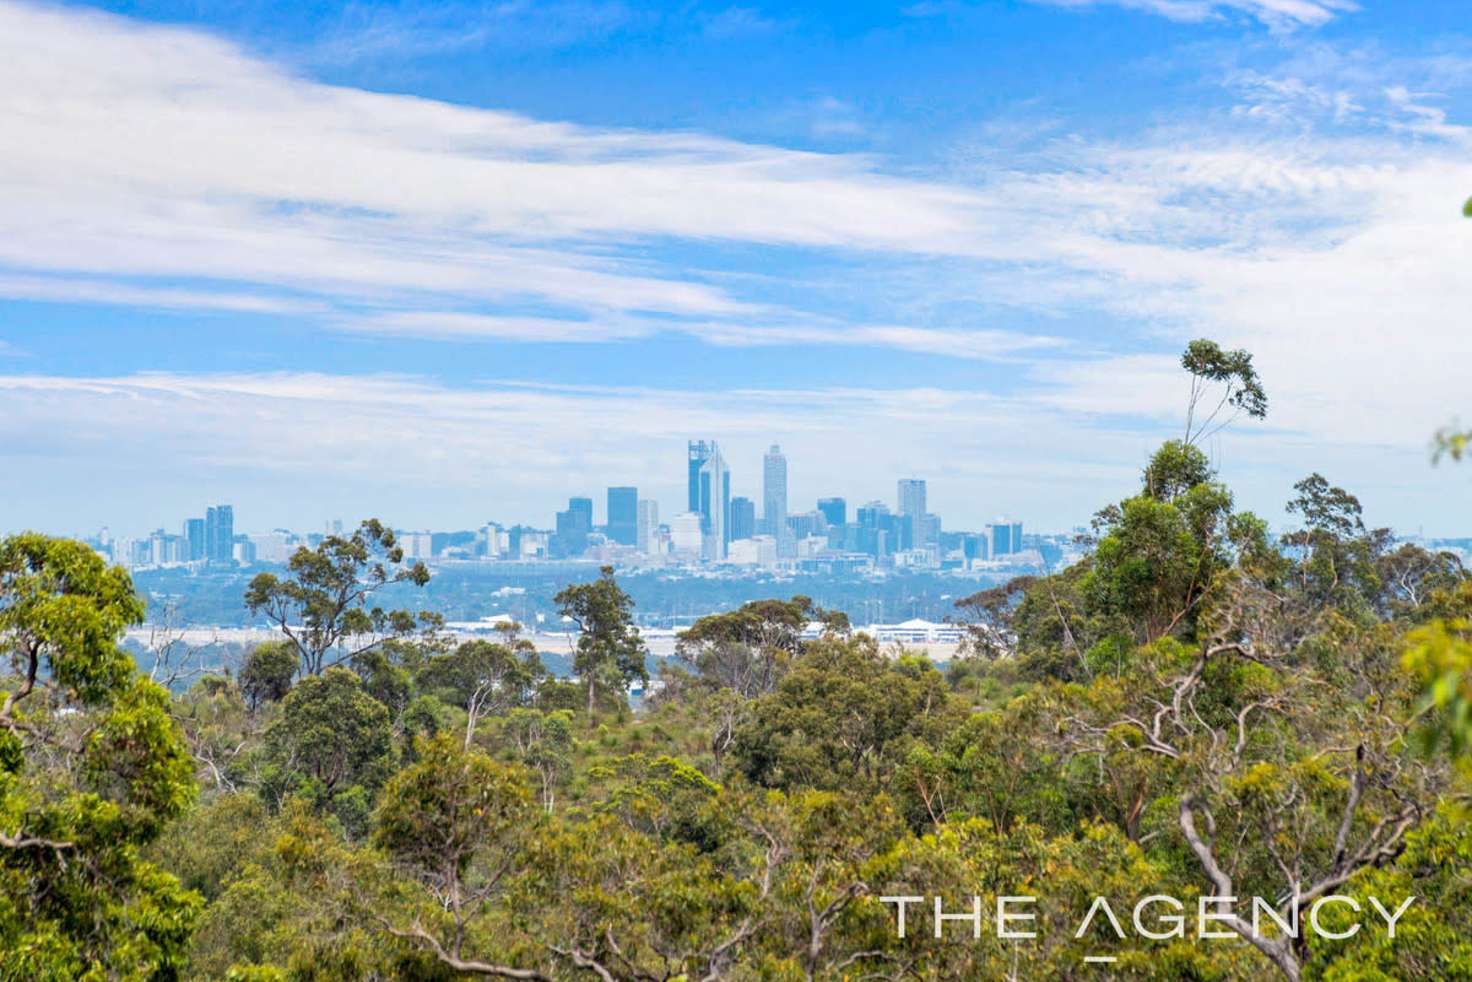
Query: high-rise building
x,y
686,537
646,530
573,527
196,546
416,545
927,533
912,506
219,534
809,523
710,496
699,452
835,510
1004,537
743,518
623,515
774,491
872,515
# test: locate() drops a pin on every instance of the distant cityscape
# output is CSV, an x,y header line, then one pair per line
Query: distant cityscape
x,y
714,528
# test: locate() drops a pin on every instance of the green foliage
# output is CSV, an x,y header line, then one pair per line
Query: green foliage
x,y
1232,373
439,814
609,651
267,673
1440,656
750,648
838,718
331,743
322,605
1451,441
91,769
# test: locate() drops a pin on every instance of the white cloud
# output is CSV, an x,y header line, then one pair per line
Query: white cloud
x,y
1274,13
145,153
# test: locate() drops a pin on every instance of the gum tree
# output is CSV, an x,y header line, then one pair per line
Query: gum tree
x,y
322,606
92,767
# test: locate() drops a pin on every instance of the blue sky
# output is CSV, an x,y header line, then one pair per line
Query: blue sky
x,y
452,263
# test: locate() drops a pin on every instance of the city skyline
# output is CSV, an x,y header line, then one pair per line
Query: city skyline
x,y
582,512
715,527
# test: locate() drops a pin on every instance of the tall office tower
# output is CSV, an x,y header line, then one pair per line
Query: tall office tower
x,y
872,515
194,538
1004,537
700,452
710,496
743,519
623,515
928,532
774,491
912,507
573,527
835,510
686,537
219,534
646,530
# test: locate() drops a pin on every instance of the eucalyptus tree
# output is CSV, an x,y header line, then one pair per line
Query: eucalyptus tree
x,y
92,767
323,605
609,650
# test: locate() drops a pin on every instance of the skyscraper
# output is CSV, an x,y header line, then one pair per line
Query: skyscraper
x,y
835,510
573,527
623,515
219,533
686,537
912,508
647,526
743,518
710,496
774,491
1004,537
700,451
194,536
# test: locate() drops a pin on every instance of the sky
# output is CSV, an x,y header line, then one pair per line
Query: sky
x,y
456,262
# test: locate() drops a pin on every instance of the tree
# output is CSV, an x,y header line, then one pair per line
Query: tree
x,y
455,821
1285,751
483,678
92,768
543,742
838,718
333,742
608,646
267,673
749,649
1231,374
322,607
1451,441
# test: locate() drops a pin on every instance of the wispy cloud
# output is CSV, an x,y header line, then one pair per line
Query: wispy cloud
x,y
368,32
163,167
740,22
1274,13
